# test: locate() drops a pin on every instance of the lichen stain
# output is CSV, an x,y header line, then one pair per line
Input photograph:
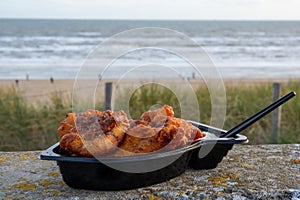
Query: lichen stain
x,y
26,156
222,179
11,197
295,161
237,159
153,197
4,158
46,183
24,186
53,174
247,166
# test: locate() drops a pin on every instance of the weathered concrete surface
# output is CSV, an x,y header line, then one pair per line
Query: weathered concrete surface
x,y
255,172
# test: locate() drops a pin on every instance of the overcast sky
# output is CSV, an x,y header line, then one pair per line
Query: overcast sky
x,y
152,9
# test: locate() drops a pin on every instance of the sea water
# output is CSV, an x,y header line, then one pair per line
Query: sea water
x,y
40,49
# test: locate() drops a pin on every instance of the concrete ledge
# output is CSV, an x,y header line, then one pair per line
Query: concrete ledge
x,y
248,171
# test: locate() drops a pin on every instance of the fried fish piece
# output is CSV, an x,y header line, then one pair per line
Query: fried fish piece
x,y
177,132
160,131
166,110
68,125
140,139
95,133
73,144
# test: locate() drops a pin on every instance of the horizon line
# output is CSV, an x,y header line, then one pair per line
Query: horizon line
x,y
130,19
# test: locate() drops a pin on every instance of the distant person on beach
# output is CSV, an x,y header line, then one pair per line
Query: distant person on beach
x,y
17,82
27,77
51,80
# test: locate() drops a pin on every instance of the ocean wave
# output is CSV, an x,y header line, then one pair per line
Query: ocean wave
x,y
89,34
51,39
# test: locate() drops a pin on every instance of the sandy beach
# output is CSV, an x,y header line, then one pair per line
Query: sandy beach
x,y
41,90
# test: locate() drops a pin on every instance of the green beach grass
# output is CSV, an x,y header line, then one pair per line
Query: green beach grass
x,y
28,126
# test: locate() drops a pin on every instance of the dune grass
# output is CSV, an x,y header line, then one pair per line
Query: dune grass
x,y
27,126
152,96
242,102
